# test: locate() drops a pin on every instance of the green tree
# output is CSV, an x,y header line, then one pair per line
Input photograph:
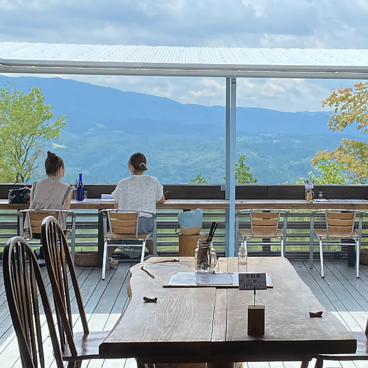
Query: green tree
x,y
328,172
25,125
350,106
242,172
199,179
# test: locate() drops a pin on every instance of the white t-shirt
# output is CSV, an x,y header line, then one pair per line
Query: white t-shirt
x,y
138,193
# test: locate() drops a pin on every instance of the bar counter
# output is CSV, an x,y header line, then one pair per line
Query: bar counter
x,y
97,204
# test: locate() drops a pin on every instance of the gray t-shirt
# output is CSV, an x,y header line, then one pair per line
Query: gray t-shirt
x,y
50,193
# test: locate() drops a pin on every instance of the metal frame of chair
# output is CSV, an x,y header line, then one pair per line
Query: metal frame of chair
x,y
264,223
35,217
25,290
339,225
120,228
75,347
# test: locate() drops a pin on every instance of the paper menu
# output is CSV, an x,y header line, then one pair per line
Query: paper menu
x,y
221,278
106,197
189,279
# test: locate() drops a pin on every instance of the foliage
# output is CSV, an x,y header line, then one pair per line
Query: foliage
x,y
242,172
350,106
329,172
25,125
199,179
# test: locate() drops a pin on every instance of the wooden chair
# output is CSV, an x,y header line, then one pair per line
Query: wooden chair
x,y
264,224
123,231
75,347
25,292
341,226
34,219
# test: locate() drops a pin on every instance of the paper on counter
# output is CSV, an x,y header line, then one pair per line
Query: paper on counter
x,y
221,278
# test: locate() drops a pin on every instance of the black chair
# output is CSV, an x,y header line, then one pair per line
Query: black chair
x,y
26,294
75,347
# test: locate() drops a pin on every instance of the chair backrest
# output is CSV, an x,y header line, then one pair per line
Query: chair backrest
x,y
264,222
33,220
36,217
338,223
62,273
123,223
25,292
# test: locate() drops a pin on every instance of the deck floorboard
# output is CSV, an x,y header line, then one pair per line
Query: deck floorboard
x,y
339,292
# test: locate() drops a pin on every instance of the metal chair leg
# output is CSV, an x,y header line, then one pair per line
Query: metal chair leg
x,y
237,231
321,258
319,363
73,238
357,261
104,260
143,250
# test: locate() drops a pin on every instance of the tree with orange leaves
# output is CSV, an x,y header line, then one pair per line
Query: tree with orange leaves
x,y
350,106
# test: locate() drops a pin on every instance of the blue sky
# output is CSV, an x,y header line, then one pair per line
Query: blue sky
x,y
240,23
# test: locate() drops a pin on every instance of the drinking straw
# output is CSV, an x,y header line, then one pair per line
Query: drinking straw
x,y
212,231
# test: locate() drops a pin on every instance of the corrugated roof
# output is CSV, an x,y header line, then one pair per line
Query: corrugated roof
x,y
24,57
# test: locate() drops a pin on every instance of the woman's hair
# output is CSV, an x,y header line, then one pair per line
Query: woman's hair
x,y
53,163
138,161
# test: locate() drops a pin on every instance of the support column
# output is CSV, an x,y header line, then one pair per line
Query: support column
x,y
230,165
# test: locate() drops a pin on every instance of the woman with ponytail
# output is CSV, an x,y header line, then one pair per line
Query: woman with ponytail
x,y
138,193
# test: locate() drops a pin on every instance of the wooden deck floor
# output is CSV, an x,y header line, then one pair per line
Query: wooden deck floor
x,y
340,292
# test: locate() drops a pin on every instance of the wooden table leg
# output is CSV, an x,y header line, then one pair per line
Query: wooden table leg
x,y
304,364
351,252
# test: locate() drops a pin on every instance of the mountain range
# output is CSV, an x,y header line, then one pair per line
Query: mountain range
x,y
106,125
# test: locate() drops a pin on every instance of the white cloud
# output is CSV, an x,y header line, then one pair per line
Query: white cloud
x,y
245,23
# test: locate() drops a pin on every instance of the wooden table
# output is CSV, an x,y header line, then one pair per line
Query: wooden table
x,y
205,324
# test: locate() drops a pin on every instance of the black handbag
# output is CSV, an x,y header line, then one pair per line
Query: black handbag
x,y
20,195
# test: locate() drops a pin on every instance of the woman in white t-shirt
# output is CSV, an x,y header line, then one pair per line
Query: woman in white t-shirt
x,y
138,193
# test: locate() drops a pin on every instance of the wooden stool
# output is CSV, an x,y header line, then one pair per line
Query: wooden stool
x,y
188,244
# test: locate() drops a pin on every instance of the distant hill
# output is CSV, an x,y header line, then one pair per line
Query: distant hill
x,y
89,106
105,125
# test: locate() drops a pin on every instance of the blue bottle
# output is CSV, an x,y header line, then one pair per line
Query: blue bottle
x,y
80,189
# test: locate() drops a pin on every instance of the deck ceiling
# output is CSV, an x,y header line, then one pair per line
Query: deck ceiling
x,y
51,58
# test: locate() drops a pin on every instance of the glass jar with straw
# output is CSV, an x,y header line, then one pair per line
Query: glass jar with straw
x,y
205,255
